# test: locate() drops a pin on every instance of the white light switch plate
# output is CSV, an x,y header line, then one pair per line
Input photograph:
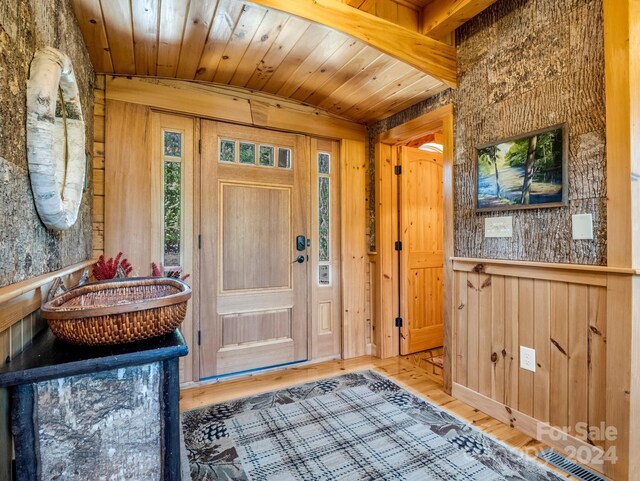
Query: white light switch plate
x,y
528,359
582,226
498,226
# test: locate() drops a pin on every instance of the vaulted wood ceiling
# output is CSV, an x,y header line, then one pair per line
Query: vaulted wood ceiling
x,y
246,45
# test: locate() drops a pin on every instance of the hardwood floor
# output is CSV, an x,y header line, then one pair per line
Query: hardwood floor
x,y
421,359
411,372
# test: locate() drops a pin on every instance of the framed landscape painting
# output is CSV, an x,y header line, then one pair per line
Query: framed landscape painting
x,y
525,172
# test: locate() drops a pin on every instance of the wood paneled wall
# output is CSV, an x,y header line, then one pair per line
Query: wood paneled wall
x,y
355,258
128,184
98,166
559,312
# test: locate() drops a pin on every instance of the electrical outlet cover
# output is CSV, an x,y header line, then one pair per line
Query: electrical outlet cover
x,y
582,226
527,359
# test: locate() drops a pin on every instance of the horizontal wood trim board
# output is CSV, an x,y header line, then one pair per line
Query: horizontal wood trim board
x,y
428,123
233,105
20,307
544,265
550,274
541,431
441,18
12,291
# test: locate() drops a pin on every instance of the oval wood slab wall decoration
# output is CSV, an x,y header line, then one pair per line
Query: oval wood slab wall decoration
x,y
55,139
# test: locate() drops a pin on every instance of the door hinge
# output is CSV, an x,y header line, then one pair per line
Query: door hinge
x,y
398,322
397,169
199,337
199,241
199,146
398,245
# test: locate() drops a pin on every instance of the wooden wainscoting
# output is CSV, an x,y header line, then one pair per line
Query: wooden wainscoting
x,y
558,310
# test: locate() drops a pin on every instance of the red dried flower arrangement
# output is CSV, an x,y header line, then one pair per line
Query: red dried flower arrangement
x,y
108,269
158,271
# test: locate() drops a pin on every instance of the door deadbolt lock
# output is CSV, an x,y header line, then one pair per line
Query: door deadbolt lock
x,y
301,243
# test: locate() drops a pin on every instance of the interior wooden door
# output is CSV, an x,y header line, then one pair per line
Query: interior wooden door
x,y
253,268
422,256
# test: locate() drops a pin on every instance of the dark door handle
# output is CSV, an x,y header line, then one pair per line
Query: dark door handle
x,y
300,259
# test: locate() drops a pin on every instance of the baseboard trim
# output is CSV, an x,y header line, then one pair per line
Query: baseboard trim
x,y
539,430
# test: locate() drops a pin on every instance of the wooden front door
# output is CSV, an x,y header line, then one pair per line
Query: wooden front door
x,y
253,267
421,257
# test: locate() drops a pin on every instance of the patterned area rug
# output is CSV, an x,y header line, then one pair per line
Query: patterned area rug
x,y
358,426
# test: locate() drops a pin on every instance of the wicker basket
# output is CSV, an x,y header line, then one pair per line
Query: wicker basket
x,y
118,311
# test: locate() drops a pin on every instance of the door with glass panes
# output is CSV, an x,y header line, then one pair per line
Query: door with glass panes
x,y
170,212
253,258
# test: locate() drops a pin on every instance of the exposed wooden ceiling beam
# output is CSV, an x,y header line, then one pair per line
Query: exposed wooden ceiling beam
x,y
441,17
426,54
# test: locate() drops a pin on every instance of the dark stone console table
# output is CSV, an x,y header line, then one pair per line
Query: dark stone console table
x,y
81,413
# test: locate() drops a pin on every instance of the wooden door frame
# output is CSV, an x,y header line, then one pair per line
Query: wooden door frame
x,y
387,279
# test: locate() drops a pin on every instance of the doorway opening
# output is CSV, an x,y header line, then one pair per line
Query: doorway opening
x,y
414,239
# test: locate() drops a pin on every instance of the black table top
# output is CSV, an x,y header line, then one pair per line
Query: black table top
x,y
49,358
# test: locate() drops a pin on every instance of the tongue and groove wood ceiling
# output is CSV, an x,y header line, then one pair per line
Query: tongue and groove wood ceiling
x,y
247,45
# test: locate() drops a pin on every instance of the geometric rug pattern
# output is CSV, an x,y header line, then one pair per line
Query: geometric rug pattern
x,y
358,426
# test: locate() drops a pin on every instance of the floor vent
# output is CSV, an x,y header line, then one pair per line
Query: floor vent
x,y
570,467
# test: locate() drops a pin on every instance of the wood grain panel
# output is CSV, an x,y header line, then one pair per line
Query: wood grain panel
x,y
247,27
196,31
354,248
497,351
144,14
270,353
526,326
578,355
541,336
253,327
597,349
224,22
91,22
563,321
473,319
127,174
245,263
559,357
387,257
485,329
119,29
243,44
442,17
235,105
461,329
171,31
421,257
423,53
265,37
291,33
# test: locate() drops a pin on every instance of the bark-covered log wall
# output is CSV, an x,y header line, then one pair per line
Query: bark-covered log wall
x,y
27,248
524,65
